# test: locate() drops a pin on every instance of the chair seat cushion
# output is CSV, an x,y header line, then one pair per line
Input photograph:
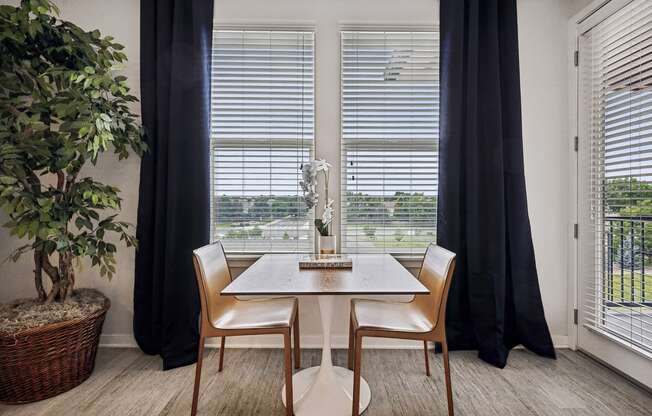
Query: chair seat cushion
x,y
257,314
389,316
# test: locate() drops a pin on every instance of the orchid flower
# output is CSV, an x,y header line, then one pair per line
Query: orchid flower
x,y
327,216
308,185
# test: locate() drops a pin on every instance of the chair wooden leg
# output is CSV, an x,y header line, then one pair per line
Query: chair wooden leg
x,y
356,375
297,342
289,397
425,352
351,340
219,369
195,393
447,374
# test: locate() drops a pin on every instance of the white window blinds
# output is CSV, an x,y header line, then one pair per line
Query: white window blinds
x,y
616,77
262,130
390,122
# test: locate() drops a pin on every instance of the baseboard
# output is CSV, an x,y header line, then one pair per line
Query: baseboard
x,y
118,341
560,341
307,341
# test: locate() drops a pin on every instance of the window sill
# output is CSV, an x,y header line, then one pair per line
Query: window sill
x,y
409,261
243,260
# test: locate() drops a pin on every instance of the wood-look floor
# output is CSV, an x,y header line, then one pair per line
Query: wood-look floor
x,y
128,383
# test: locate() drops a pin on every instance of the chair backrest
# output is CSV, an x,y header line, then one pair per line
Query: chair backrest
x,y
213,275
436,274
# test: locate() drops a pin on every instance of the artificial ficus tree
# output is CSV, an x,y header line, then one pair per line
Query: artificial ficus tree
x,y
62,103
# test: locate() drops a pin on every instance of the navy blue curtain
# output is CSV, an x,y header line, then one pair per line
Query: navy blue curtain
x,y
173,210
494,302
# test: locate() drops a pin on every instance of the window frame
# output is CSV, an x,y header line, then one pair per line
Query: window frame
x,y
411,259
243,256
609,350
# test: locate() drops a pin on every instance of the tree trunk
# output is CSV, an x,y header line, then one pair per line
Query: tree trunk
x,y
54,292
71,279
38,275
66,274
54,275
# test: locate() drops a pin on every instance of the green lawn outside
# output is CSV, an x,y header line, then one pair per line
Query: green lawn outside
x,y
390,243
626,284
389,240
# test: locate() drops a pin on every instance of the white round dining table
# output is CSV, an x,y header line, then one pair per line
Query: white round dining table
x,y
325,390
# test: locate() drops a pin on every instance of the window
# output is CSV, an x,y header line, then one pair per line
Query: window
x,y
390,123
616,81
262,130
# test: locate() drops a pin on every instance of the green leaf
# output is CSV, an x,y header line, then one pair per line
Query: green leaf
x,y
21,230
79,107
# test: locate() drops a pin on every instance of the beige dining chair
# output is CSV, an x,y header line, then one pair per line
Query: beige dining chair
x,y
422,319
223,316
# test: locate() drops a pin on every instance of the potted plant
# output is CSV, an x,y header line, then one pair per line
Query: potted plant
x,y
309,173
62,103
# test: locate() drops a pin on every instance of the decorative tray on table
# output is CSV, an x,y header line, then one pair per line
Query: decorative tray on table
x,y
326,261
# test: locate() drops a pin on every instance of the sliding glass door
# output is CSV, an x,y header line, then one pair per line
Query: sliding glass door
x,y
615,187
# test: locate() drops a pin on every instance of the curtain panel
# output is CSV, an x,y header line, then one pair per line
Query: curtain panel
x,y
173,210
494,302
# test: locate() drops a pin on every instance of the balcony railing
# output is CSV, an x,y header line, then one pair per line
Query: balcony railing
x,y
627,269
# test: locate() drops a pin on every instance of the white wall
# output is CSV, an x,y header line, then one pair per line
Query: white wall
x,y
543,40
543,46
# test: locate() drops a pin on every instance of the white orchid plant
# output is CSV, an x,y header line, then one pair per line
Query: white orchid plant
x,y
308,183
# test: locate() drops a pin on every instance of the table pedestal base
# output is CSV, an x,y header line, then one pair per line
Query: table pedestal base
x,y
326,390
324,394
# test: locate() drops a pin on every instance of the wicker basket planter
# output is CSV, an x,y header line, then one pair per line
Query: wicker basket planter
x,y
39,363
